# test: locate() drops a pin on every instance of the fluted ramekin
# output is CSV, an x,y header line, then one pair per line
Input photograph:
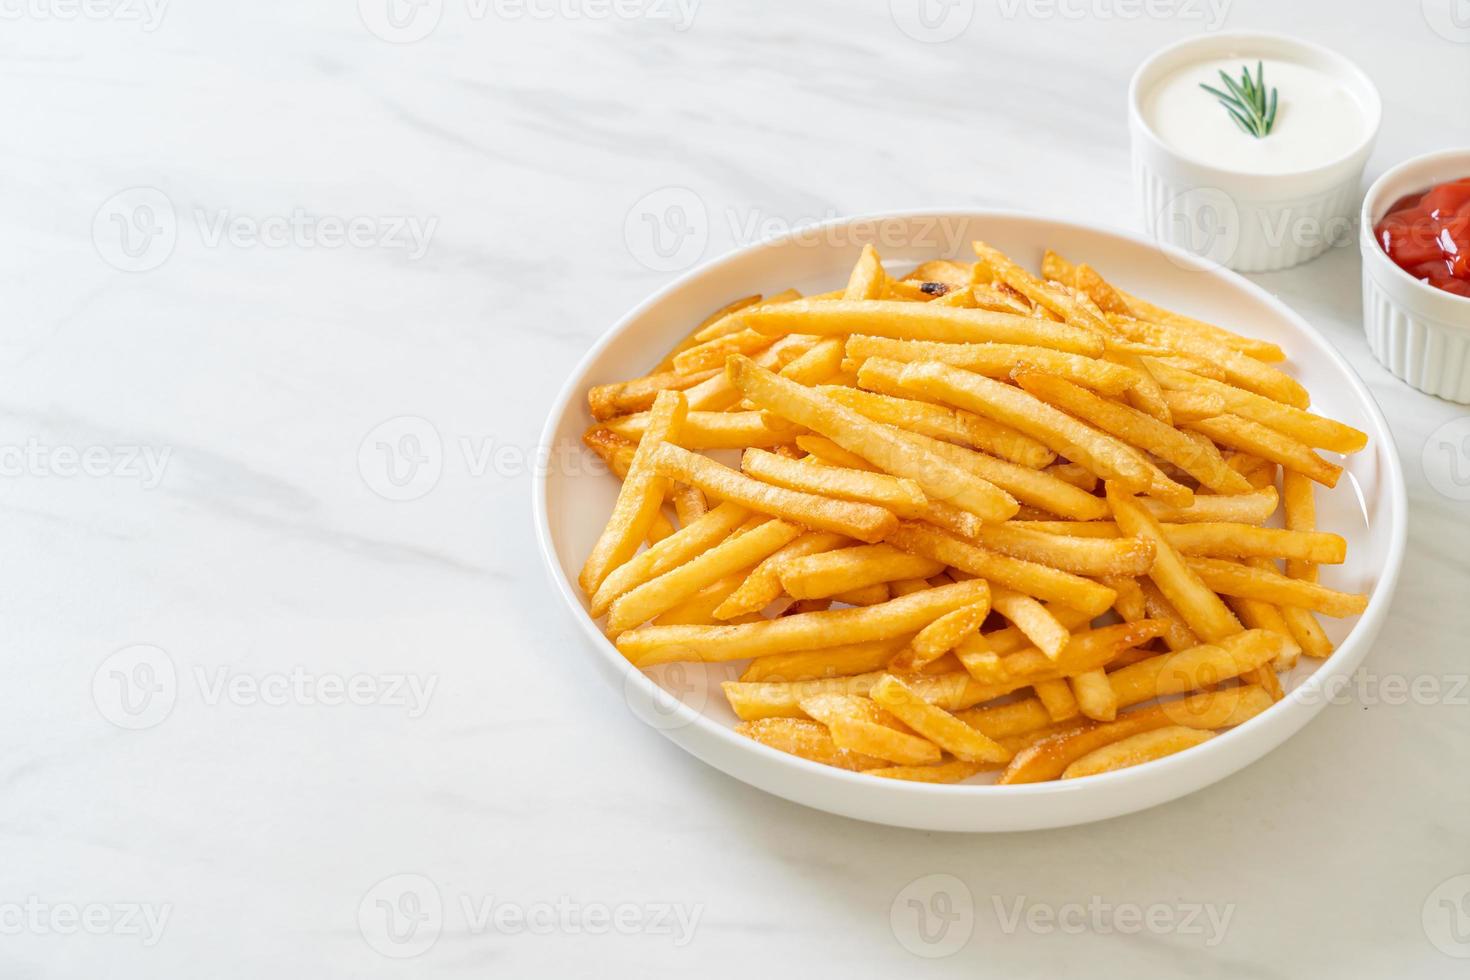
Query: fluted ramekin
x,y
1248,222
1420,333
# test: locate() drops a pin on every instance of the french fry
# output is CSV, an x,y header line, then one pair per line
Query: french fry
x,y
681,546
1201,608
624,397
677,584
807,739
1086,650
843,661
1178,636
828,451
867,279
1305,427
1240,369
853,730
1038,488
1222,540
1255,507
942,422
1098,452
830,573
1136,750
1049,758
1095,697
902,496
1188,405
1095,557
821,363
649,645
718,316
1058,301
1229,578
1005,720
863,595
732,320
713,430
999,360
1259,440
1033,619
641,495
954,771
1258,615
699,609
718,393
617,454
916,321
1261,350
712,353
1075,475
942,636
763,585
1141,431
939,479
1056,696
1299,513
1022,576
1198,667
937,725
862,521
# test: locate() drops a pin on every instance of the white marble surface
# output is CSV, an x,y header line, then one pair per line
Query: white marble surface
x,y
254,823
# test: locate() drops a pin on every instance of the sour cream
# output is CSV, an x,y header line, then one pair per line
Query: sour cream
x,y
1319,119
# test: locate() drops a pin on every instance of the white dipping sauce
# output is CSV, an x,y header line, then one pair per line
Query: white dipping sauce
x,y
1318,119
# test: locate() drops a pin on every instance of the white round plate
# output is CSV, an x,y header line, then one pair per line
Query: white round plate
x,y
574,495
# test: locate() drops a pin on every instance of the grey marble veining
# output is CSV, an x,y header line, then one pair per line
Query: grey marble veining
x,y
282,667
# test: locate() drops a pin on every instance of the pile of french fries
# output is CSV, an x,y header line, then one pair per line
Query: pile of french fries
x,y
982,519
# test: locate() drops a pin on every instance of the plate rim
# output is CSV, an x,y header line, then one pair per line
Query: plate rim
x,y
1349,653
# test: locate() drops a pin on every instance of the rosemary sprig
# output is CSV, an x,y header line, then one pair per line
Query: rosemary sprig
x,y
1247,102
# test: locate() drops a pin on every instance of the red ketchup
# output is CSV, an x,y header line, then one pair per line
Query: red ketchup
x,y
1428,236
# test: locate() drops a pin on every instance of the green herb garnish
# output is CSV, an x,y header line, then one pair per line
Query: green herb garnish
x,y
1247,101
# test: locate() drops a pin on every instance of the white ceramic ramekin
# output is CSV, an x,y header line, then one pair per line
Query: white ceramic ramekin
x,y
1247,222
1420,333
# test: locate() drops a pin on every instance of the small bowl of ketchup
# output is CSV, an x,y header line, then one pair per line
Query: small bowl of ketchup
x,y
1415,240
